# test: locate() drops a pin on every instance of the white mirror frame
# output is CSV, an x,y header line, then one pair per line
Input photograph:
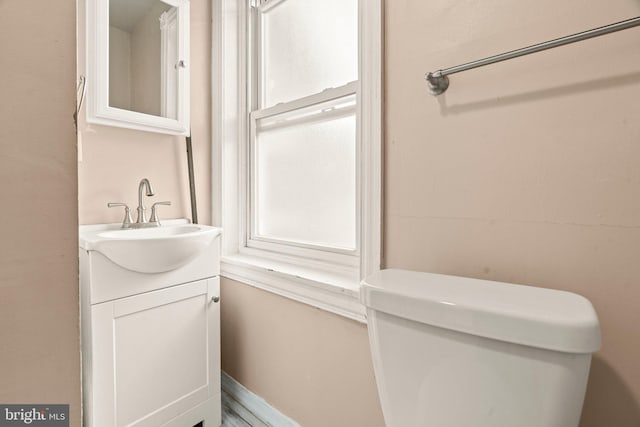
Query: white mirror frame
x,y
97,54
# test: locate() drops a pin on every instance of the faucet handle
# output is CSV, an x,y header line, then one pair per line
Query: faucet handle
x,y
126,222
154,214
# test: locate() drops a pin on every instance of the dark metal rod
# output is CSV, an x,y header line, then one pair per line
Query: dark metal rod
x,y
192,183
437,83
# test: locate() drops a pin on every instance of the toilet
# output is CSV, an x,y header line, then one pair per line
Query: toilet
x,y
458,352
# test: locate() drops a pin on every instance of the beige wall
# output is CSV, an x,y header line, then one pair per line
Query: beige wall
x,y
312,365
113,160
525,171
39,320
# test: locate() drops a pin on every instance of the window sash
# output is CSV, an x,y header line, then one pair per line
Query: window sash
x,y
257,92
326,95
321,117
290,247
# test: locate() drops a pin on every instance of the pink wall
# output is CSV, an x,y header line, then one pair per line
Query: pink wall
x,y
113,160
311,365
525,171
39,313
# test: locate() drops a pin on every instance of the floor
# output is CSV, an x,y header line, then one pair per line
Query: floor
x,y
235,415
231,419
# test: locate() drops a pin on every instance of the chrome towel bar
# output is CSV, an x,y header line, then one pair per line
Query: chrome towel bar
x,y
438,81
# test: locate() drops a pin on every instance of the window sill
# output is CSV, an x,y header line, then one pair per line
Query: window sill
x,y
335,292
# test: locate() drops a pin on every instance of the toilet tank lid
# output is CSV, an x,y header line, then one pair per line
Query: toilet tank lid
x,y
537,317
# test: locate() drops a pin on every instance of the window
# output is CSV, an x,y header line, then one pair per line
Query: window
x,y
302,142
299,128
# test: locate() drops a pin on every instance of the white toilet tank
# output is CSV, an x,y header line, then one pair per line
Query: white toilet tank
x,y
457,352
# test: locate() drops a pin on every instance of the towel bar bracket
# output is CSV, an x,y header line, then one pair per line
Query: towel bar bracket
x,y
437,82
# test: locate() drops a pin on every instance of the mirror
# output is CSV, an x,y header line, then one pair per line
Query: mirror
x,y
137,53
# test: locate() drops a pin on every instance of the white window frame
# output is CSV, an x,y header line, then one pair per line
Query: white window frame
x,y
322,280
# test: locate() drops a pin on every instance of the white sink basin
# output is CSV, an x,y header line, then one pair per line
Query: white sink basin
x,y
150,250
151,233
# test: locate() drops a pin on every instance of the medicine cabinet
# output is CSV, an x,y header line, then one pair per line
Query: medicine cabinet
x,y
138,64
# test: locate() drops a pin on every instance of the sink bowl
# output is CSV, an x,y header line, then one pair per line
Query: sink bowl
x,y
151,233
150,250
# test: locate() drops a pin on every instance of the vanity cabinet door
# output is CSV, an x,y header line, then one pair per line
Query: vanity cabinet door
x,y
156,355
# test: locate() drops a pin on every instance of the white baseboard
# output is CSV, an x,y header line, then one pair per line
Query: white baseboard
x,y
251,407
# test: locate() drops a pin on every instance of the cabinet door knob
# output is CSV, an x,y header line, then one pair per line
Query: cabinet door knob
x,y
215,299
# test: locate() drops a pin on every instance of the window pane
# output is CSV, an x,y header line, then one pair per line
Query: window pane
x,y
308,46
305,177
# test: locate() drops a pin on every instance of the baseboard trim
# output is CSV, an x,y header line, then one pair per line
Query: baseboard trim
x,y
251,407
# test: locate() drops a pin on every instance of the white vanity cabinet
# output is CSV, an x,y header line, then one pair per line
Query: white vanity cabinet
x,y
151,343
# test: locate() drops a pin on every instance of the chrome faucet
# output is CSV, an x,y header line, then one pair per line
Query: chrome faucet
x,y
141,222
142,217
